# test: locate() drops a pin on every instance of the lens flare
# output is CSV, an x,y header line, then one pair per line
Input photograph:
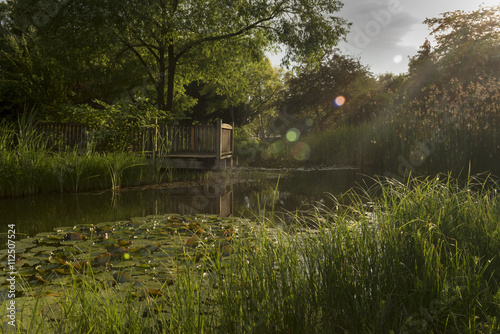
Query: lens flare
x,y
293,135
339,100
301,151
397,59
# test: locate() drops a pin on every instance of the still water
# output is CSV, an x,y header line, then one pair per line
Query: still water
x,y
233,196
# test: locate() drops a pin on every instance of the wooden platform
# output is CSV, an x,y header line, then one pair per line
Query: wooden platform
x,y
190,147
193,147
206,163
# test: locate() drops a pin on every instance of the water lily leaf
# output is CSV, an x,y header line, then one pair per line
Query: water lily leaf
x,y
43,249
140,251
155,292
52,294
47,242
29,262
193,241
122,277
97,251
72,236
63,271
152,248
124,264
47,267
26,271
124,242
62,280
101,260
116,249
62,255
73,250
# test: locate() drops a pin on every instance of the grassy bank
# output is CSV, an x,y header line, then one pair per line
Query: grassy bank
x,y
418,258
28,166
41,171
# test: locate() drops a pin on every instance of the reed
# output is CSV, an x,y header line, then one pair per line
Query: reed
x,y
423,258
28,167
444,131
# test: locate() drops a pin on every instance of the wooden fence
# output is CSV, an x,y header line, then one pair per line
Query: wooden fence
x,y
62,135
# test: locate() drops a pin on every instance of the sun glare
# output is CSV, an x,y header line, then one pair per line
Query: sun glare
x,y
339,101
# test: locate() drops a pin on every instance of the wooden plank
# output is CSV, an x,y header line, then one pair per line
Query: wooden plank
x,y
192,155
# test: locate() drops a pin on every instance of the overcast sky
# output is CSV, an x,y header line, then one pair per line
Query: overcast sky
x,y
385,32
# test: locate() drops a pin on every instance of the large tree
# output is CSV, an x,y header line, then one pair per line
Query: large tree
x,y
313,91
467,44
166,36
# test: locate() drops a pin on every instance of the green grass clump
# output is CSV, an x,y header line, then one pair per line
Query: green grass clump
x,y
424,257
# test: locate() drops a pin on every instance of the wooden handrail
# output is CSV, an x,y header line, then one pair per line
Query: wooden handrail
x,y
194,140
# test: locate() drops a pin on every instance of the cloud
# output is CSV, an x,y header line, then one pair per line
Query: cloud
x,y
377,23
377,32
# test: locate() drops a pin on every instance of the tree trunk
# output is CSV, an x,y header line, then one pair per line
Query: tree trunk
x,y
160,85
172,63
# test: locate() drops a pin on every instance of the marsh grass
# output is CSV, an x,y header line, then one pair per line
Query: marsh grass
x,y
421,257
444,131
28,167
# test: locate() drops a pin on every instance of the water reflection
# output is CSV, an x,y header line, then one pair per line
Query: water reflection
x,y
297,190
43,213
294,190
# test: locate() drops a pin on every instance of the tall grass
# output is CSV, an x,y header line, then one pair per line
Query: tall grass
x,y
28,167
421,257
424,257
444,131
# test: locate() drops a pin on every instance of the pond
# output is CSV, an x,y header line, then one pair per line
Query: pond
x,y
247,193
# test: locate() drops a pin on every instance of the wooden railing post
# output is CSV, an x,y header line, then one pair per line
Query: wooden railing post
x,y
218,143
232,140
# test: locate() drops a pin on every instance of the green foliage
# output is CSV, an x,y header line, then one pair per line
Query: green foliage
x,y
114,127
252,98
313,91
445,132
28,75
467,43
95,41
406,263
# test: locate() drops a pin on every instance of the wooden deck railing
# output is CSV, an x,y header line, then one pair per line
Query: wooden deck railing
x,y
176,141
61,135
191,141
